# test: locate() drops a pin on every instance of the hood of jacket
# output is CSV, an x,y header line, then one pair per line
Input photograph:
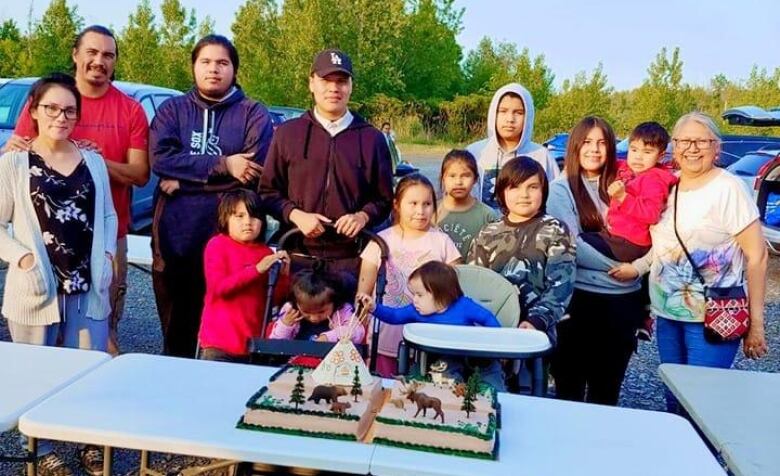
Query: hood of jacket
x,y
525,146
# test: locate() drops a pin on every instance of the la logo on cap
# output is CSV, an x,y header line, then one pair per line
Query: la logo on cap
x,y
335,59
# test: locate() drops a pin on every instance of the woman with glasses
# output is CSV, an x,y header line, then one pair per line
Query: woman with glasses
x,y
716,228
57,199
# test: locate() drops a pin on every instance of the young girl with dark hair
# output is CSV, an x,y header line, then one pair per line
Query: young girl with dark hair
x,y
319,310
236,267
595,344
461,215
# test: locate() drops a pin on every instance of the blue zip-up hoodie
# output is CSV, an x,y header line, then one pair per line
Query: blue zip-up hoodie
x,y
188,141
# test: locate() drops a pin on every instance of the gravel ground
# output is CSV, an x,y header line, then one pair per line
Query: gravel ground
x,y
140,332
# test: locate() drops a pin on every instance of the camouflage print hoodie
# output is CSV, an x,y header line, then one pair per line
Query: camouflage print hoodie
x,y
538,257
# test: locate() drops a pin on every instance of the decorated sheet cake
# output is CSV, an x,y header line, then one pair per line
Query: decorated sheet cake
x,y
340,399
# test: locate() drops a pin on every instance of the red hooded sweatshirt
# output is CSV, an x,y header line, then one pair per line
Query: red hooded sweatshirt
x,y
645,200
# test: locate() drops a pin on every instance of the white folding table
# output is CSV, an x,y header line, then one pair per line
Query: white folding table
x,y
540,436
31,373
182,406
737,411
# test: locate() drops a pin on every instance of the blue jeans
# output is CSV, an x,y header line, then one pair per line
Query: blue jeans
x,y
684,343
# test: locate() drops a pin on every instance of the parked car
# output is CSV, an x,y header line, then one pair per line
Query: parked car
x,y
556,145
287,112
13,96
760,173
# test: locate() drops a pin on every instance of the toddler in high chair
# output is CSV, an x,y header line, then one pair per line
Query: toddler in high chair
x,y
437,298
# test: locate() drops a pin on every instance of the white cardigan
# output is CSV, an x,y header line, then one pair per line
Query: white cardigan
x,y
30,296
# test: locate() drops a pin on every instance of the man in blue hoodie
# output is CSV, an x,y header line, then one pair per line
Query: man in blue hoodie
x,y
329,166
211,140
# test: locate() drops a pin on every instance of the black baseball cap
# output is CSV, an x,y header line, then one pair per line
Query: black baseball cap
x,y
331,61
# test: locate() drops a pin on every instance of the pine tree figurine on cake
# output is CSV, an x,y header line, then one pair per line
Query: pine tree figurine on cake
x,y
296,397
356,388
470,395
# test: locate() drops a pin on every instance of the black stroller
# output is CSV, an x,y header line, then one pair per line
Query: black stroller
x,y
262,347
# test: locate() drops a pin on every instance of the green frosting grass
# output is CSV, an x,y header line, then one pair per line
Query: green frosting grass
x,y
469,430
286,431
443,451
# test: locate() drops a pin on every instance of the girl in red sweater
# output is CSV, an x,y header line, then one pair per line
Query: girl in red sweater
x,y
236,264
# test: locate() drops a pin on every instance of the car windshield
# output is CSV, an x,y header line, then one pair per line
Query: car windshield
x,y
12,98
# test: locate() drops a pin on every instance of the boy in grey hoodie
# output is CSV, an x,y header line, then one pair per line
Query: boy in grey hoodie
x,y
510,126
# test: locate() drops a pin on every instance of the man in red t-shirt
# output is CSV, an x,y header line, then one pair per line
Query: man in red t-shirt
x,y
117,127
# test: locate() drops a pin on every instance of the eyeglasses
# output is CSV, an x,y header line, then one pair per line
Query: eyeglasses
x,y
701,144
54,111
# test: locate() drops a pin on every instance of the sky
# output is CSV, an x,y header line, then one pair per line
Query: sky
x,y
715,36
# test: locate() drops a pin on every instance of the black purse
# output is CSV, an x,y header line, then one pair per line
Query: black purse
x,y
726,309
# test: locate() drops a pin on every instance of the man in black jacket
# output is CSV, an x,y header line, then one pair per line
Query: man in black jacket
x,y
329,166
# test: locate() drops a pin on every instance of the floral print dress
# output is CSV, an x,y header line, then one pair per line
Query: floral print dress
x,y
65,206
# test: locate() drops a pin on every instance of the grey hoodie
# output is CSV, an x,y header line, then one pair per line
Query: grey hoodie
x,y
491,157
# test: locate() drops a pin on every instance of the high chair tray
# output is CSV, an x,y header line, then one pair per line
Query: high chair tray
x,y
488,341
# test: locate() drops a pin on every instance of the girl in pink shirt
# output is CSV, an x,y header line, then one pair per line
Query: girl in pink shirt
x,y
236,264
412,241
320,310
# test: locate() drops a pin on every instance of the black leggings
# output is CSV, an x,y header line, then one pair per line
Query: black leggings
x,y
595,345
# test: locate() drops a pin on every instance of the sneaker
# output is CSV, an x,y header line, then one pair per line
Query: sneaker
x,y
91,458
52,465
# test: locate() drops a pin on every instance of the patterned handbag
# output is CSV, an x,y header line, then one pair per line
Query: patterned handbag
x,y
726,310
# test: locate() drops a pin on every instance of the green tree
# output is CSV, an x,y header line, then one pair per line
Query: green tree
x,y
206,27
297,395
583,96
431,55
139,44
662,97
489,67
13,61
370,32
481,65
535,75
255,34
472,393
51,41
357,389
177,37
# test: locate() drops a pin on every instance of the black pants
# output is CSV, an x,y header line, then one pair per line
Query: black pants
x,y
595,345
179,291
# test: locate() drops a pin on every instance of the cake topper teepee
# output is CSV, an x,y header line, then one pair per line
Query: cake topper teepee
x,y
344,360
